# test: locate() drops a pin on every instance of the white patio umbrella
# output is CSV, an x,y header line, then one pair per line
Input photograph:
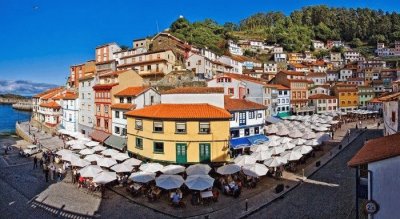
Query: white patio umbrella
x,y
109,152
273,143
90,171
285,140
99,148
276,150
142,177
198,169
151,167
122,168
173,169
199,182
78,146
275,161
255,170
245,159
69,156
273,137
133,162
298,141
291,155
106,162
120,156
259,148
86,151
63,131
84,139
288,146
262,155
228,169
295,134
78,162
63,151
312,142
92,143
303,149
93,157
309,135
166,181
283,132
105,177
271,129
72,142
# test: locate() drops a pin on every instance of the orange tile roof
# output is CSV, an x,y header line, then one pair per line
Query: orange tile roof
x,y
298,65
245,78
241,104
223,64
375,100
132,91
181,112
104,86
376,150
390,97
278,86
195,90
46,92
123,106
51,104
316,74
321,96
51,94
294,73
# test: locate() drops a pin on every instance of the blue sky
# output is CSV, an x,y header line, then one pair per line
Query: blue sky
x,y
40,39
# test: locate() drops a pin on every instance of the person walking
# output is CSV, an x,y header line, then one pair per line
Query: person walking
x,y
52,171
73,175
46,172
41,163
35,162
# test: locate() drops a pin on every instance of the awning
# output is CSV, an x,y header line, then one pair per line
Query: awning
x,y
283,115
272,119
240,143
257,139
116,142
99,136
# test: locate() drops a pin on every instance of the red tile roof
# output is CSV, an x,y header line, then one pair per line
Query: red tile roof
x,y
294,73
181,112
376,150
375,100
321,96
47,92
99,136
298,65
390,97
241,104
195,90
316,74
245,78
51,104
104,86
132,91
278,86
123,106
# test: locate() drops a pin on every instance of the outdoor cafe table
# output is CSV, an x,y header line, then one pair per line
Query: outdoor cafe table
x,y
136,186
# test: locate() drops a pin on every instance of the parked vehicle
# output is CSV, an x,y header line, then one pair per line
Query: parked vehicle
x,y
30,150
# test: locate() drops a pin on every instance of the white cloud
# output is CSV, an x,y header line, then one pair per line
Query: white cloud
x,y
22,87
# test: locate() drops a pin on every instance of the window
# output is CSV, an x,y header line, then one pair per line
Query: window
x,y
393,116
121,100
235,134
242,118
129,100
256,130
158,126
248,91
148,67
116,114
204,127
180,127
117,130
251,115
247,132
123,116
98,108
233,118
138,124
124,132
83,96
158,147
105,109
106,124
231,91
139,143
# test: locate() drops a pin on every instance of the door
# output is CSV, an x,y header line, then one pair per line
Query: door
x,y
181,153
205,154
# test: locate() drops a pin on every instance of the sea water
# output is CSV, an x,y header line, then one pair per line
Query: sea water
x,y
9,116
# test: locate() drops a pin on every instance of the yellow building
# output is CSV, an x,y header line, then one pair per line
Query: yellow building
x,y
179,133
347,95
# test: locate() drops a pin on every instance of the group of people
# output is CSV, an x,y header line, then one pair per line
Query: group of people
x,y
50,170
231,185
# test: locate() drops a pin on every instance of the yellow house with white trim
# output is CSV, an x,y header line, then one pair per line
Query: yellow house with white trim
x,y
179,133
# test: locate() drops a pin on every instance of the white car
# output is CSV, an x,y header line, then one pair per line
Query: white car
x,y
30,150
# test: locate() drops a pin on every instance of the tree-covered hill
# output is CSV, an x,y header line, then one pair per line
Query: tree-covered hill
x,y
295,32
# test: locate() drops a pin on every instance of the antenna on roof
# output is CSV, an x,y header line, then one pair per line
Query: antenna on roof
x,y
158,30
